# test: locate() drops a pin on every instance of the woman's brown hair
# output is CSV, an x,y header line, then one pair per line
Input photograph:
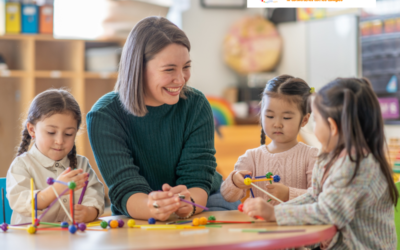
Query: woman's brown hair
x,y
291,89
354,107
46,104
146,39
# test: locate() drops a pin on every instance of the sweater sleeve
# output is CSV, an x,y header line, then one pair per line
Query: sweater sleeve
x,y
311,157
336,204
229,190
197,164
108,138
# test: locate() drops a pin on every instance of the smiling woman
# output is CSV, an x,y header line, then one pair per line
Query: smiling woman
x,y
153,137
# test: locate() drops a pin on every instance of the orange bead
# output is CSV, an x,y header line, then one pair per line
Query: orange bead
x,y
114,224
203,221
196,222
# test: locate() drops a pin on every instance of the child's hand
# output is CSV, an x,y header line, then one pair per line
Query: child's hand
x,y
279,190
238,179
71,175
84,214
259,207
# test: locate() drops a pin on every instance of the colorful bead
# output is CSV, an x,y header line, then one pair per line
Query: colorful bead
x,y
247,181
31,229
203,221
37,222
152,221
247,176
104,224
4,227
131,223
196,222
114,224
109,223
71,185
72,229
82,226
240,207
64,224
268,175
121,223
50,181
211,217
277,178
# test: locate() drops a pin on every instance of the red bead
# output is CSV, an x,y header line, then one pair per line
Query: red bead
x,y
240,207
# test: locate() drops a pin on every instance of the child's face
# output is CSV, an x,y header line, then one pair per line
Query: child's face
x,y
166,74
55,135
325,131
281,119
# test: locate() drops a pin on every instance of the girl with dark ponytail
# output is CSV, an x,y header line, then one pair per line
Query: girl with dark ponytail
x,y
352,181
284,111
52,124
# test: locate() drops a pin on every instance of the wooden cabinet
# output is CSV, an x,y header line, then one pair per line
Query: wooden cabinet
x,y
39,62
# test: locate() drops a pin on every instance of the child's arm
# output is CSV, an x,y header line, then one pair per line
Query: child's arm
x,y
93,200
337,203
231,188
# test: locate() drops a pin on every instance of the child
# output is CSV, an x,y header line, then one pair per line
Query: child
x,y
352,185
53,121
284,110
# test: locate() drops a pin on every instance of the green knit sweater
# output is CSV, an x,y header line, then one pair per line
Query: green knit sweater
x,y
171,144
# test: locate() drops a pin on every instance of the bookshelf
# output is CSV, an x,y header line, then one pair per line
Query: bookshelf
x,y
39,62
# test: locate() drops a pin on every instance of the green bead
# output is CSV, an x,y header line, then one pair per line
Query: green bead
x,y
268,175
72,185
212,217
104,224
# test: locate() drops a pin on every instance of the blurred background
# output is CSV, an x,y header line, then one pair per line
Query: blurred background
x,y
76,44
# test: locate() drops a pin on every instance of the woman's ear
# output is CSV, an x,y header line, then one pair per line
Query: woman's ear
x,y
306,118
31,129
333,127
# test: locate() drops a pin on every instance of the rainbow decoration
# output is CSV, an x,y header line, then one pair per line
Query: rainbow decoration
x,y
222,111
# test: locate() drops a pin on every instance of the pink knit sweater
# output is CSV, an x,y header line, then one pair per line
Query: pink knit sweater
x,y
293,166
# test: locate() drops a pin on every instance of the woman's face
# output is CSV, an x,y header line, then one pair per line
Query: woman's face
x,y
166,74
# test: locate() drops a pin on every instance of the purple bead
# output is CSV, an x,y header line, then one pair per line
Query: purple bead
x,y
50,181
4,227
277,178
152,221
82,226
121,223
72,229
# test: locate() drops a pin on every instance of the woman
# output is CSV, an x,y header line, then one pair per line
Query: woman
x,y
153,137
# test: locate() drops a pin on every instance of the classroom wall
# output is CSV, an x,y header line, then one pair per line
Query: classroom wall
x,y
206,29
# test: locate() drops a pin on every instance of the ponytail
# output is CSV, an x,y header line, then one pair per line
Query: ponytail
x,y
72,158
262,136
25,142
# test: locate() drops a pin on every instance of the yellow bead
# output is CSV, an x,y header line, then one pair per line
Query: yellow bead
x,y
131,223
247,181
196,222
114,224
203,221
31,229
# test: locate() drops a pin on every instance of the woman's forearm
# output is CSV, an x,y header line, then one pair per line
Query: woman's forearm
x,y
200,197
137,206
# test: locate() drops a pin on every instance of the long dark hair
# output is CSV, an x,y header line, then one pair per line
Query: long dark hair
x,y
46,104
146,39
291,89
353,105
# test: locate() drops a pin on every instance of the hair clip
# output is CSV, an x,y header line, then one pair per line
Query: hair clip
x,y
312,90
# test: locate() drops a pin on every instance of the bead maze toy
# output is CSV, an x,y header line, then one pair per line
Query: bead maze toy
x,y
268,177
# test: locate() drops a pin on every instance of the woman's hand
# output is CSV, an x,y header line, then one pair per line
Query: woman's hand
x,y
184,208
167,203
259,207
279,190
238,179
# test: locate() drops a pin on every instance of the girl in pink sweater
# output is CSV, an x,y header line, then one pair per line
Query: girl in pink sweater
x,y
284,111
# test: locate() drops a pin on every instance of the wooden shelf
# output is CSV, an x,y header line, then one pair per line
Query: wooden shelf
x,y
13,73
101,75
40,62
